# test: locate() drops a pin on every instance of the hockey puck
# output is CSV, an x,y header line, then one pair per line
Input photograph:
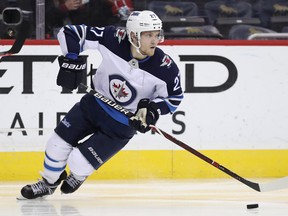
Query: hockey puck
x,y
252,206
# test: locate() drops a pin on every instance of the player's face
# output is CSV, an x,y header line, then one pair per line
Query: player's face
x,y
149,41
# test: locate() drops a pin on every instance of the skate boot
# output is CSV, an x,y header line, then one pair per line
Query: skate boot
x,y
71,184
41,188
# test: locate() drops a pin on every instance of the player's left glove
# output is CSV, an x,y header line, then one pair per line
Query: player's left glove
x,y
71,72
146,114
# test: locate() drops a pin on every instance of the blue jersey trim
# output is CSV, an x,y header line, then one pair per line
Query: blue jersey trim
x,y
116,115
142,60
71,56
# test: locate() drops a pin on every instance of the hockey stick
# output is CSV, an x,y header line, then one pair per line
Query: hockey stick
x,y
269,186
263,187
19,41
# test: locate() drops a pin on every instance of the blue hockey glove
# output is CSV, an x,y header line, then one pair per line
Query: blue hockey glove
x,y
71,72
146,114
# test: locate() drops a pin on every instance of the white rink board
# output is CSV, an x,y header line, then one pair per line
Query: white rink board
x,y
252,114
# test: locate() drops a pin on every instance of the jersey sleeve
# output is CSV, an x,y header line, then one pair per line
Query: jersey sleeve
x,y
77,38
170,103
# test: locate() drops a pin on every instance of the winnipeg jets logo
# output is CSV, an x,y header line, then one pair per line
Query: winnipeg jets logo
x,y
135,13
166,61
120,34
121,90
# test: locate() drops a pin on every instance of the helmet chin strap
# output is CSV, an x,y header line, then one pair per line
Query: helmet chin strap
x,y
138,50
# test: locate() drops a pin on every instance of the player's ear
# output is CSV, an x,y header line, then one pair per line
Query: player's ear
x,y
134,39
133,36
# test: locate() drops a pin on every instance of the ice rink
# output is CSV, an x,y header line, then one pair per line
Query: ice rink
x,y
223,197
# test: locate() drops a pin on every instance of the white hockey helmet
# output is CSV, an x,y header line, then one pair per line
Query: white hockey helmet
x,y
140,21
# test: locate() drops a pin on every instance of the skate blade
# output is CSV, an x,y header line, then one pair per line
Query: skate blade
x,y
20,197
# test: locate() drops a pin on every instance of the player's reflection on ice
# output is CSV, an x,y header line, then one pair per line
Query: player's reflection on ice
x,y
40,207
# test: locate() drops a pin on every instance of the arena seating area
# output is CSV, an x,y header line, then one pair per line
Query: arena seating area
x,y
200,19
220,19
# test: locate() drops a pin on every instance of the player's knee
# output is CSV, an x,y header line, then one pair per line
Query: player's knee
x,y
78,164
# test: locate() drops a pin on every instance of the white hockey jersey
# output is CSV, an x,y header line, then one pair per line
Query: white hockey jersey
x,y
120,77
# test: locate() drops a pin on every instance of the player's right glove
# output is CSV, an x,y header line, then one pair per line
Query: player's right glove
x,y
71,72
146,114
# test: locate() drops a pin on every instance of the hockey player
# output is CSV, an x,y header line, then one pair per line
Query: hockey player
x,y
134,72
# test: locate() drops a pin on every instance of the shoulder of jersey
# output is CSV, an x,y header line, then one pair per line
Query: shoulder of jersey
x,y
116,33
164,60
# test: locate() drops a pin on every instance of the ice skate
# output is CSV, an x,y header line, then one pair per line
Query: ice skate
x,y
41,188
71,184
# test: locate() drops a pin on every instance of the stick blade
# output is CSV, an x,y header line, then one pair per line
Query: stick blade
x,y
278,184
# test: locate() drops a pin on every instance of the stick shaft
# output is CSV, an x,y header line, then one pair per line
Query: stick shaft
x,y
250,184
